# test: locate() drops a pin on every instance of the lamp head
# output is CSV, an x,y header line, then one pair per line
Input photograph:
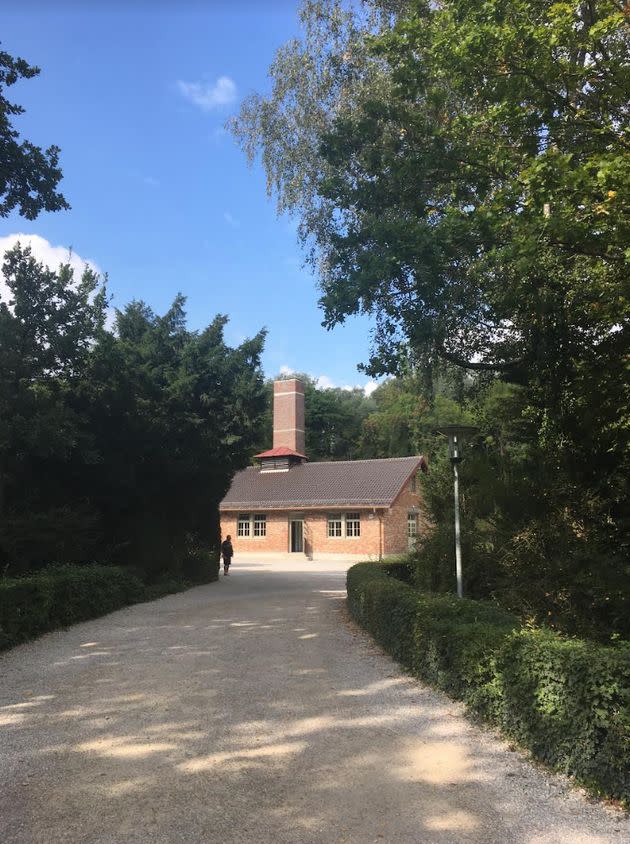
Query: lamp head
x,y
456,435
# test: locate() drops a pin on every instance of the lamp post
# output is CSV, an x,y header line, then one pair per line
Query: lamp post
x,y
455,434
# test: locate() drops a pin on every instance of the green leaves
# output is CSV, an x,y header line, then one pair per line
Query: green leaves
x,y
28,175
566,700
115,447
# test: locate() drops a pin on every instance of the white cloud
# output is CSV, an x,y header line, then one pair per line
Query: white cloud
x,y
324,382
230,220
151,181
51,256
209,96
46,253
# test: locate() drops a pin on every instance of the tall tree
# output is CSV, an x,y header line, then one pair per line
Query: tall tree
x,y
29,175
115,447
469,189
174,414
48,326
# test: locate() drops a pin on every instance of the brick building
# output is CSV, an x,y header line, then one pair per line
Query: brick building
x,y
351,509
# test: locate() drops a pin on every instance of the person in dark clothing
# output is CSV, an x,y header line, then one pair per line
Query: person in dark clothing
x,y
227,552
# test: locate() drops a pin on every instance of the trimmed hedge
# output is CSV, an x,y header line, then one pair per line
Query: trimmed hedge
x,y
63,595
566,700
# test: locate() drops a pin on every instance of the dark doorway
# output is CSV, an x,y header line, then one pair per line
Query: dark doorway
x,y
297,536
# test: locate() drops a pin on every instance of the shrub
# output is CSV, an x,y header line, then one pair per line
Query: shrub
x,y
201,566
567,700
61,596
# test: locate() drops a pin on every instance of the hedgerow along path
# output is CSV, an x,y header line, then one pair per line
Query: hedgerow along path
x,y
253,710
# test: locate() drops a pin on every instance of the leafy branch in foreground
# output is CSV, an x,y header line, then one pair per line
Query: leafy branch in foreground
x,y
29,175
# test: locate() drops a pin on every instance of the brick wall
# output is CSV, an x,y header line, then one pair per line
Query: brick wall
x,y
317,541
277,539
396,536
383,532
288,415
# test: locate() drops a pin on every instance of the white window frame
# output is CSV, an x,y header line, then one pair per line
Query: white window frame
x,y
412,522
353,525
259,526
244,526
337,520
344,525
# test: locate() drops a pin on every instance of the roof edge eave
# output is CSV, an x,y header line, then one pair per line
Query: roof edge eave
x,y
317,505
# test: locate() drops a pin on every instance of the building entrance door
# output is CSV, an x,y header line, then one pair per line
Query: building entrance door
x,y
296,535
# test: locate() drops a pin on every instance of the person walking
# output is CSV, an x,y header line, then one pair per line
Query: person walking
x,y
227,552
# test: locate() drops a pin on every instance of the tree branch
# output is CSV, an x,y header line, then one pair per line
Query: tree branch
x,y
478,366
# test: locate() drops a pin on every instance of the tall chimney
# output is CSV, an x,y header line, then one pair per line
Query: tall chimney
x,y
288,415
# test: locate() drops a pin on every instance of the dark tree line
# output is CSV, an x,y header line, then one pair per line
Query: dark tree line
x,y
115,445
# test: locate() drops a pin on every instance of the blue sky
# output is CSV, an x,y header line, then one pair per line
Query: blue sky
x,y
136,94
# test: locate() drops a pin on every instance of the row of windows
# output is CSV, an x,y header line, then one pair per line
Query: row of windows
x,y
339,525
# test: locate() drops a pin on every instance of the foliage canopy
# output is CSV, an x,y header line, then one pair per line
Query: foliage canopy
x,y
115,446
29,175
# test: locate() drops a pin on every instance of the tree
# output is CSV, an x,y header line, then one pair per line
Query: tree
x,y
407,413
47,330
115,447
315,79
460,175
477,208
28,175
468,191
174,414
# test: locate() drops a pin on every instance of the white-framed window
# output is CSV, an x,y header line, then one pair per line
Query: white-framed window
x,y
244,525
335,526
353,524
260,524
344,524
412,525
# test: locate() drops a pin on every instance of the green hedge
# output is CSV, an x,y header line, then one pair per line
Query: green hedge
x,y
566,700
61,596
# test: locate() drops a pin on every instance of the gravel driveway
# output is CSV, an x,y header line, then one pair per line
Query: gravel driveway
x,y
252,710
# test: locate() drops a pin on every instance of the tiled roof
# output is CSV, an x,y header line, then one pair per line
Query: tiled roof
x,y
359,483
281,451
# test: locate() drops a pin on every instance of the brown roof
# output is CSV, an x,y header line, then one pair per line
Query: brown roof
x,y
358,483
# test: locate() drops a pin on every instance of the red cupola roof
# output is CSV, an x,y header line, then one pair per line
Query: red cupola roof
x,y
280,451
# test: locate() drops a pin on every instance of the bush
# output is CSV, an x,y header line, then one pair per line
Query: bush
x,y
567,700
61,596
201,566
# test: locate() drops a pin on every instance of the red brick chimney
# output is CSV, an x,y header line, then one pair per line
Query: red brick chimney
x,y
288,415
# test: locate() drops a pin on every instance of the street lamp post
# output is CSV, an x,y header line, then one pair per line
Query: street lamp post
x,y
455,434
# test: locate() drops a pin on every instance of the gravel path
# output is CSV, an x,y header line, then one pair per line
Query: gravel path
x,y
252,710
